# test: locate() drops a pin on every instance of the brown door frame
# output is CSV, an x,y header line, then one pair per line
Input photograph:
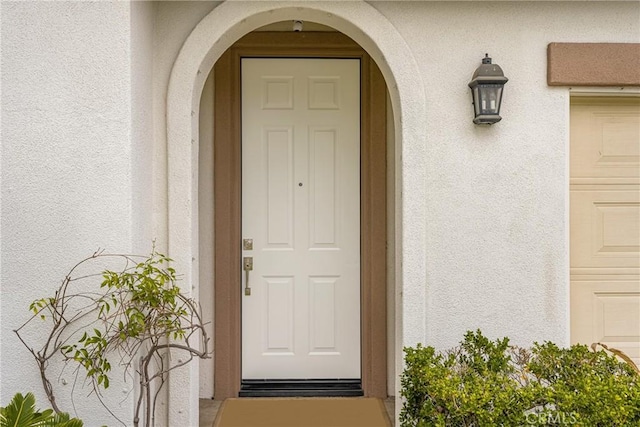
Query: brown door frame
x,y
227,201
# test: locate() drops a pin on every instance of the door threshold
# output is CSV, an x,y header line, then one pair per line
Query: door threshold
x,y
301,388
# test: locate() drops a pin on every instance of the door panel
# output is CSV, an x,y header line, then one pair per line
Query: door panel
x,y
605,223
605,227
301,208
606,134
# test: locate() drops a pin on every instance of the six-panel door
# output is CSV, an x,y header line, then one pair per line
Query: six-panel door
x,y
301,209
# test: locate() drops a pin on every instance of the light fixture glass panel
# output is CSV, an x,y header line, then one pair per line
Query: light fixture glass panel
x,y
489,98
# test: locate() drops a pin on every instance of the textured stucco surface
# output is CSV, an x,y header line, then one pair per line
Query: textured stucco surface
x,y
174,21
497,255
142,24
593,64
481,234
66,169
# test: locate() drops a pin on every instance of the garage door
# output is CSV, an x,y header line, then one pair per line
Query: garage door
x,y
605,222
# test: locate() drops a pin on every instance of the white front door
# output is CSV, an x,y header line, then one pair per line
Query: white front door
x,y
301,212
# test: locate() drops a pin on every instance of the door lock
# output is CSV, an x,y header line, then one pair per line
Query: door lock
x,y
247,266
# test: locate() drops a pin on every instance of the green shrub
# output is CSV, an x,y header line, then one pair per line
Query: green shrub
x,y
594,387
21,412
490,383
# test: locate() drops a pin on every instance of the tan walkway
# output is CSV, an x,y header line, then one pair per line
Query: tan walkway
x,y
209,409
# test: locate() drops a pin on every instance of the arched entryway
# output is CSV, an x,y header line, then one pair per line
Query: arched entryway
x,y
344,364
206,44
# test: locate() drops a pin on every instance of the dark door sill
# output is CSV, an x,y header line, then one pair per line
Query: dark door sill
x,y
301,388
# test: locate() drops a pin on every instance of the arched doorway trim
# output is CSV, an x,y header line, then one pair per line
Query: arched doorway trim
x,y
207,42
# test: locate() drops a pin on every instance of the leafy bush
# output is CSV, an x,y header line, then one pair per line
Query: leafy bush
x,y
490,383
137,316
593,386
21,412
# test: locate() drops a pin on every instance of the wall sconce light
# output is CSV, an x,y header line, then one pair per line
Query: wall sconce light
x,y
486,88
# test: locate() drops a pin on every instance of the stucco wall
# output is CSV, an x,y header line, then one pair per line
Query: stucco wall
x,y
72,180
143,133
84,158
206,211
497,253
174,22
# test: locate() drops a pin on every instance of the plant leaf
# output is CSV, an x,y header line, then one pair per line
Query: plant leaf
x,y
20,412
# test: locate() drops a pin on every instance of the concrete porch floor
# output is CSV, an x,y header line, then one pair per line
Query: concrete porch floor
x,y
209,409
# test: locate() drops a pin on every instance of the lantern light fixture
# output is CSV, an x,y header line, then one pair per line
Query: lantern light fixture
x,y
486,89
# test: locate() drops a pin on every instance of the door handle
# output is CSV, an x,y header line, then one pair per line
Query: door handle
x,y
247,266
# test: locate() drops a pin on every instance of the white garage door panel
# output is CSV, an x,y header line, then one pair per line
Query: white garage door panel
x,y
605,223
607,310
608,134
605,228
